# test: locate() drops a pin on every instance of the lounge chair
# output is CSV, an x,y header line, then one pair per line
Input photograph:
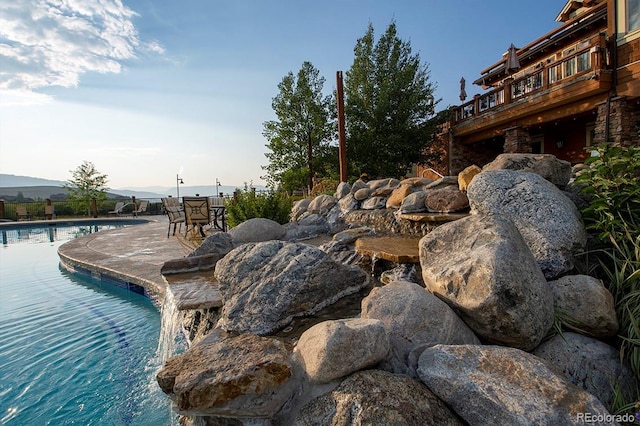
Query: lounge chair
x,y
175,213
22,213
142,208
197,212
49,212
118,208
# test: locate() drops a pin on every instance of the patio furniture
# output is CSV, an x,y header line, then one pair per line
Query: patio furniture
x,y
22,213
118,208
142,208
175,213
49,212
197,211
219,212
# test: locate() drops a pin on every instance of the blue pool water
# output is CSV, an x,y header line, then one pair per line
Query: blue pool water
x,y
73,350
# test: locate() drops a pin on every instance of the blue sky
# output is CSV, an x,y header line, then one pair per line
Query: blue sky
x,y
147,89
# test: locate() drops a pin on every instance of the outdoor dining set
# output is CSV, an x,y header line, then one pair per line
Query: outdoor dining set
x,y
196,213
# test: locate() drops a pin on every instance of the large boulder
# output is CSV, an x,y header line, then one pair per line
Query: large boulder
x,y
556,171
379,398
466,176
546,218
590,364
397,195
342,190
309,226
265,285
247,376
584,303
256,230
374,203
348,203
362,194
414,318
446,200
298,208
322,204
218,243
414,203
333,349
482,268
504,386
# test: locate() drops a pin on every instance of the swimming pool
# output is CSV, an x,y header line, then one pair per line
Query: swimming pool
x,y
73,349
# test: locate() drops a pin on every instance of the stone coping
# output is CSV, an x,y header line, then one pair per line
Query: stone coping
x,y
432,217
394,249
132,254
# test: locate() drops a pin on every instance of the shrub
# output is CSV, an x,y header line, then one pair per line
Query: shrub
x,y
611,183
248,204
612,216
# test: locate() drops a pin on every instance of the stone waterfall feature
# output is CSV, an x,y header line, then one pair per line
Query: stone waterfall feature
x,y
477,321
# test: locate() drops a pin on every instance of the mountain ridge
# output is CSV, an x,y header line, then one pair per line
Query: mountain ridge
x,y
39,188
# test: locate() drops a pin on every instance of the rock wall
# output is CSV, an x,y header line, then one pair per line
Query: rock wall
x,y
471,342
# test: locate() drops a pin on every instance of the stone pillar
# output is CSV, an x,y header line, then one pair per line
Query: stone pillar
x,y
517,139
624,123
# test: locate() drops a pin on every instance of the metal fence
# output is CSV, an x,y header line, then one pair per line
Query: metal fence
x,y
38,210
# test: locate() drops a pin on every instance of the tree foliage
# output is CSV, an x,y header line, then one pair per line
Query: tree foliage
x,y
300,138
388,102
86,184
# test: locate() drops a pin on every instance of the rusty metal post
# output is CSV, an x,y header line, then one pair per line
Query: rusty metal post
x,y
1,209
94,207
342,143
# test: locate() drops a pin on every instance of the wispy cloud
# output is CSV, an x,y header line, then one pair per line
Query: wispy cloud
x,y
53,42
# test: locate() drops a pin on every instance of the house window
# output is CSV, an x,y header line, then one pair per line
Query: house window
x,y
633,15
584,61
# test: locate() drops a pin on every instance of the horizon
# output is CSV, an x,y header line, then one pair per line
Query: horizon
x,y
150,90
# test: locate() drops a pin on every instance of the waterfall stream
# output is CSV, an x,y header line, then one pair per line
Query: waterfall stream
x,y
170,341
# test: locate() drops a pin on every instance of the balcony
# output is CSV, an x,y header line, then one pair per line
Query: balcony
x,y
544,87
564,72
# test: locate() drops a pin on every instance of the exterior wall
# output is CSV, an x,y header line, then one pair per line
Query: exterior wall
x,y
517,139
479,153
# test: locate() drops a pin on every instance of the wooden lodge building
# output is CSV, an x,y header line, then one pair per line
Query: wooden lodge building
x,y
574,87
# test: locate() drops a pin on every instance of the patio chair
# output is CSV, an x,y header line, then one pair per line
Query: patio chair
x,y
141,209
49,212
197,212
22,213
118,208
175,213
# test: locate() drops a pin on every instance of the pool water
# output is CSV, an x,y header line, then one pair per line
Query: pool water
x,y
72,349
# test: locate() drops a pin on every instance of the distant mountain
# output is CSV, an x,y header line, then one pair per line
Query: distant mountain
x,y
13,180
40,189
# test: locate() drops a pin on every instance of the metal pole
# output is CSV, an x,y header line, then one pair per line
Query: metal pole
x,y
342,143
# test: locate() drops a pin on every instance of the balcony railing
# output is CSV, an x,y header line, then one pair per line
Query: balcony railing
x,y
539,78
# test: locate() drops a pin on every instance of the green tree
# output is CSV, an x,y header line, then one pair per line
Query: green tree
x,y
86,184
300,139
388,102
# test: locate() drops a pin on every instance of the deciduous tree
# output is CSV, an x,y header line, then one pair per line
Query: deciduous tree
x,y
86,184
300,139
388,103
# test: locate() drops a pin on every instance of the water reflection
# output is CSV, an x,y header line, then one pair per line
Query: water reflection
x,y
50,234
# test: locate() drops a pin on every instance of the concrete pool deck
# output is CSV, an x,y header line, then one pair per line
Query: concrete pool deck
x,y
133,254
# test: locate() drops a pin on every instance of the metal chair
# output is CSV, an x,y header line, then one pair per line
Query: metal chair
x,y
197,211
175,213
22,213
